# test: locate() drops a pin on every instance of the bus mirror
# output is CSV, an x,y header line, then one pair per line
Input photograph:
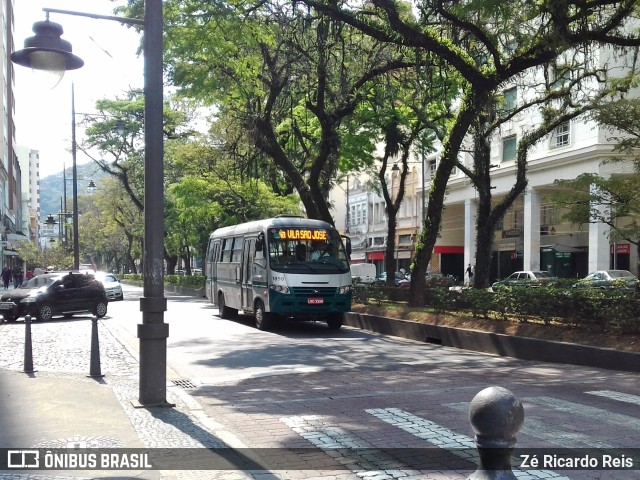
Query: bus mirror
x,y
260,242
347,244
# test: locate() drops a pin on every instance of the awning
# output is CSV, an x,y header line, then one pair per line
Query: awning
x,y
10,253
403,254
376,255
16,236
357,256
448,249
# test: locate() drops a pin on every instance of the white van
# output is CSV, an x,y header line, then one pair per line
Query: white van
x,y
363,273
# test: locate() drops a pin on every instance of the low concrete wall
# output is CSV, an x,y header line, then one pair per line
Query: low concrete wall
x,y
498,344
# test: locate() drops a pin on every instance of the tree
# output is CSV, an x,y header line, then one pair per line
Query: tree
x,y
57,257
489,43
122,149
290,80
102,239
218,199
121,225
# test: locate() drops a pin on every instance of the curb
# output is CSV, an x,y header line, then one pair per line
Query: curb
x,y
498,344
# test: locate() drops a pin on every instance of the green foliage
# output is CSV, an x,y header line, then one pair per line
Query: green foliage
x,y
207,202
366,294
440,299
191,281
478,301
57,257
612,312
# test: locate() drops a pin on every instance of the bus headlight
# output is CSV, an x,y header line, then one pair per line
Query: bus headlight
x,y
345,290
280,289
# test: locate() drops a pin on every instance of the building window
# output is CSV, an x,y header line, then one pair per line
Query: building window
x,y
560,76
561,135
404,239
510,99
548,215
432,168
509,147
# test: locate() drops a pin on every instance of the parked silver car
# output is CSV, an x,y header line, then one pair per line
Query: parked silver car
x,y
609,280
525,278
111,285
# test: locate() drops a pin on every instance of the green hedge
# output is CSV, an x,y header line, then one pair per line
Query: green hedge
x,y
594,310
191,281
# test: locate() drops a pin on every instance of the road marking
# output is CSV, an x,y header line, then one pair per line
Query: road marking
x,y
593,413
622,397
334,440
460,445
550,434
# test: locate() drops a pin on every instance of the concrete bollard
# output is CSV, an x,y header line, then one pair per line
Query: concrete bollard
x,y
94,367
28,350
496,416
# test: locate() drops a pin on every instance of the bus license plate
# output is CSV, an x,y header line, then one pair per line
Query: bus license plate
x,y
315,301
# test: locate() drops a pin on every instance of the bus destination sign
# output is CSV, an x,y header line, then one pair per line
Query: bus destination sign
x,y
300,234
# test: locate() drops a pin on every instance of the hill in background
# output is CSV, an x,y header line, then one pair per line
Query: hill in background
x,y
52,187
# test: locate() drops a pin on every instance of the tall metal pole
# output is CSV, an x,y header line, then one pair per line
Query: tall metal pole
x,y
153,332
64,208
76,243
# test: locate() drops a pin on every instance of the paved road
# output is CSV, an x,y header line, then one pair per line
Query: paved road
x,y
304,385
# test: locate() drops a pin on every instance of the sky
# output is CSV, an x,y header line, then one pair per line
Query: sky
x,y
112,66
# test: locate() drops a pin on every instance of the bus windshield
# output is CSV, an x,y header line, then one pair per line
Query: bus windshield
x,y
304,250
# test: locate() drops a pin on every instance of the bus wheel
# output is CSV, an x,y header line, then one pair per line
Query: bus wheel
x,y
334,322
224,312
263,319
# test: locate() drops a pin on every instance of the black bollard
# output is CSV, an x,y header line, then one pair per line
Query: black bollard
x,y
496,416
94,368
28,351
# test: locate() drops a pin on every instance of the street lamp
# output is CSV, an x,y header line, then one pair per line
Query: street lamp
x,y
47,48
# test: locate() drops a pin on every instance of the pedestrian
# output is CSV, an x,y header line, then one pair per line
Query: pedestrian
x,y
19,278
469,272
14,275
6,277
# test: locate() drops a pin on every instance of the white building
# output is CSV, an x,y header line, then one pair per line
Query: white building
x,y
29,160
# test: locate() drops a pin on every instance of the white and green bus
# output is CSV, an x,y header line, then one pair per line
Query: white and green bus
x,y
282,267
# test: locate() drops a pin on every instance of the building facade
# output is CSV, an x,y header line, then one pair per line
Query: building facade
x,y
11,206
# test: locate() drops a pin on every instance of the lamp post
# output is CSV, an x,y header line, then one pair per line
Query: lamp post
x,y
74,182
47,48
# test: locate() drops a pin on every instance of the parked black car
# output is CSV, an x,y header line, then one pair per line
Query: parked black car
x,y
50,294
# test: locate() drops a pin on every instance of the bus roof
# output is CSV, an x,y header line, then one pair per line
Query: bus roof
x,y
276,222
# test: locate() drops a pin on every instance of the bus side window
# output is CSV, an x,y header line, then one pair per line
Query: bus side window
x,y
260,243
226,249
236,254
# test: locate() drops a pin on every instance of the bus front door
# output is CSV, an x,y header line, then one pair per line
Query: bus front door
x,y
246,280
